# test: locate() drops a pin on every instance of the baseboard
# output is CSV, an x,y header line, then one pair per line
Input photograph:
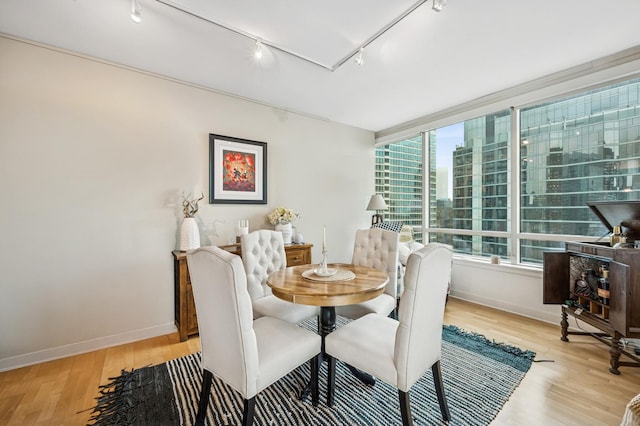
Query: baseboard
x,y
518,309
64,351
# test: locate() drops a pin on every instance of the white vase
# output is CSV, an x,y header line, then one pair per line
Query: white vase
x,y
297,238
287,231
189,234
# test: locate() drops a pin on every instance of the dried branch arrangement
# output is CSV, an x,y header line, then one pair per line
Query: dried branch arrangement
x,y
190,204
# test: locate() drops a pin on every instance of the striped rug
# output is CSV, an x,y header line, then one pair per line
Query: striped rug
x,y
479,376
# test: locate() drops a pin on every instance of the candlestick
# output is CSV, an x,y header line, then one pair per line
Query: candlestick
x,y
323,264
324,270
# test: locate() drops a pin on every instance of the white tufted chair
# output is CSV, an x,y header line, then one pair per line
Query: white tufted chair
x,y
263,253
248,355
407,246
375,248
400,352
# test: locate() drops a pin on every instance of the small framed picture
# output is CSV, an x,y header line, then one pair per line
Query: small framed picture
x,y
237,170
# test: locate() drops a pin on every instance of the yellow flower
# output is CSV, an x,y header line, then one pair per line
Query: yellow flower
x,y
282,215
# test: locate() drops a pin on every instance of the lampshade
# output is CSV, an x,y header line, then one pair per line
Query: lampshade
x,y
377,203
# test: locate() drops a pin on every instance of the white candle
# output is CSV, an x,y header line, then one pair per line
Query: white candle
x,y
324,238
243,227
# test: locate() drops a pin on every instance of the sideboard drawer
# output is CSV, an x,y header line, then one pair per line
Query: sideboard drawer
x,y
298,255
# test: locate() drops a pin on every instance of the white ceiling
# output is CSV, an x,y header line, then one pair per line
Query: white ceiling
x,y
429,61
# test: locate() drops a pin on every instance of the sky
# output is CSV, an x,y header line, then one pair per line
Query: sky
x,y
447,138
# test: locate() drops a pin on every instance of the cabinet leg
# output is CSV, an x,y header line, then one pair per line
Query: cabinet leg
x,y
614,351
564,324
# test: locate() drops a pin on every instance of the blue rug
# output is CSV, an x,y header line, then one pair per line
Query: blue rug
x,y
479,377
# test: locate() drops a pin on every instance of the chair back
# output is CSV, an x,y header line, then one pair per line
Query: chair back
x,y
225,317
378,248
262,253
419,336
406,234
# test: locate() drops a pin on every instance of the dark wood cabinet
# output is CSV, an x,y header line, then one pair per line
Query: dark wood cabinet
x,y
184,306
616,319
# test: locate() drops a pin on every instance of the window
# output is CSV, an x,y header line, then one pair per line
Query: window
x,y
569,151
471,163
399,181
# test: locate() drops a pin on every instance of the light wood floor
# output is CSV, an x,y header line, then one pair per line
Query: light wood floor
x,y
575,389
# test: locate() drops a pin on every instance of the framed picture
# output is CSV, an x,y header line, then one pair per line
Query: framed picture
x,y
237,171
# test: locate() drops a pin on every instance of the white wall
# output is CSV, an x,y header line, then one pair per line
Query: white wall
x,y
503,286
93,158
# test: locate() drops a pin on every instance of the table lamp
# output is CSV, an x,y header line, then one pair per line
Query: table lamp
x,y
376,203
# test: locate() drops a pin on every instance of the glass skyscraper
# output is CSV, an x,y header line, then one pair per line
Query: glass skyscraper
x,y
399,168
570,151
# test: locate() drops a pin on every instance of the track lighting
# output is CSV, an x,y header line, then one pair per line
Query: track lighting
x,y
258,52
359,59
136,10
438,5
258,49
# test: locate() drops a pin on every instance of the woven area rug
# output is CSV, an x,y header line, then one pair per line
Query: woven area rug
x,y
479,377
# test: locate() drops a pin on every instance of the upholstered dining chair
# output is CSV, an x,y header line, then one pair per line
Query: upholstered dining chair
x,y
375,248
400,352
247,354
263,253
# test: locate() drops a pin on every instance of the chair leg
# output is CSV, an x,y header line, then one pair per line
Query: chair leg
x,y
442,400
405,408
394,314
248,411
331,380
204,397
315,398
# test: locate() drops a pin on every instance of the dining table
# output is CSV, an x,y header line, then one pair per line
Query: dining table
x,y
344,284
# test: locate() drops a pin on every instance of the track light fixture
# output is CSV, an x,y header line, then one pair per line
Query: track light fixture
x,y
356,54
258,49
136,10
359,59
438,5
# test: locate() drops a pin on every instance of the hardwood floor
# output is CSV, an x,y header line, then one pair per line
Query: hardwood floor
x,y
575,389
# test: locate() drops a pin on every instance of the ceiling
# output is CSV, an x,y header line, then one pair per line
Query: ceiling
x,y
427,62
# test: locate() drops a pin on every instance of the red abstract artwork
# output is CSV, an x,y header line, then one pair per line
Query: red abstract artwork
x,y
239,171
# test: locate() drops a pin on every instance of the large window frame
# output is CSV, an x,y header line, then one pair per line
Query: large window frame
x,y
514,235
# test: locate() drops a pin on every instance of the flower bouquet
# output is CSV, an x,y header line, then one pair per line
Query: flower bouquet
x,y
282,216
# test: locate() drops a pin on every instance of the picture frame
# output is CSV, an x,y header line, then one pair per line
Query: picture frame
x,y
237,170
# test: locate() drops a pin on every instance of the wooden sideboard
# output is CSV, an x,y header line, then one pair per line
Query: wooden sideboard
x,y
184,307
619,317
599,282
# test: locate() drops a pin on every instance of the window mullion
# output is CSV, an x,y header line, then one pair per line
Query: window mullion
x,y
514,196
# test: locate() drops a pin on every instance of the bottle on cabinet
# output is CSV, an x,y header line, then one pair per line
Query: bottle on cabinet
x,y
615,237
581,286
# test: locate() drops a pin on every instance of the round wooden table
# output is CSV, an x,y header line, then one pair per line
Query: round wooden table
x,y
289,284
